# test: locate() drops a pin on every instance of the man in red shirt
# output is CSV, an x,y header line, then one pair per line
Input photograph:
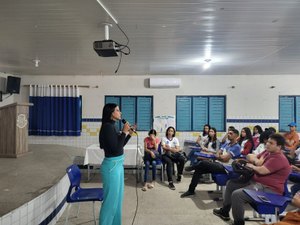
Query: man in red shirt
x,y
271,169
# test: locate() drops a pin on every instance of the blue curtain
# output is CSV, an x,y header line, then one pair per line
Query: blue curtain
x,y
56,110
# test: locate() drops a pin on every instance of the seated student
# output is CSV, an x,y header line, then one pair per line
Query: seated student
x,y
271,172
291,138
246,141
291,218
151,155
263,139
200,141
272,129
257,130
225,138
212,144
291,142
224,155
172,154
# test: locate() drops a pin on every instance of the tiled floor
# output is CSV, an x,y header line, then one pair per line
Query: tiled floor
x,y
157,206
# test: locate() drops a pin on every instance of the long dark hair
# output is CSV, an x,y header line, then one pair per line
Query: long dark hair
x,y
213,140
169,129
248,137
108,109
259,129
203,132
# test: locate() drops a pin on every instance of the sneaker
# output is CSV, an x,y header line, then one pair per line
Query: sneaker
x,y
171,186
151,185
221,214
178,178
189,168
187,193
144,188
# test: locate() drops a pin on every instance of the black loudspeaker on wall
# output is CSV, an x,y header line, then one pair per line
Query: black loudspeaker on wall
x,y
13,85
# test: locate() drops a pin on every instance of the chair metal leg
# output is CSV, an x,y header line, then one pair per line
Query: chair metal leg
x,y
78,209
270,219
94,212
163,173
88,172
68,210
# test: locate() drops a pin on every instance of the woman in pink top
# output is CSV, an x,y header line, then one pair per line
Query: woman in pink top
x,y
151,156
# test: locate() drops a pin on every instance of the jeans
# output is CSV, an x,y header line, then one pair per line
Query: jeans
x,y
191,156
147,167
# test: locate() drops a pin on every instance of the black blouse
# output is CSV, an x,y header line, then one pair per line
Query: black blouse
x,y
111,140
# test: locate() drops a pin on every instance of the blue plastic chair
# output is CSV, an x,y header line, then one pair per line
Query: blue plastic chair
x,y
221,179
77,194
268,203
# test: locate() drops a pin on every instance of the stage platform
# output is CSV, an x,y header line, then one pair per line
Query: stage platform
x,y
25,178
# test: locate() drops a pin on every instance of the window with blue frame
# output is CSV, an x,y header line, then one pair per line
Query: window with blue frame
x,y
135,109
193,112
289,111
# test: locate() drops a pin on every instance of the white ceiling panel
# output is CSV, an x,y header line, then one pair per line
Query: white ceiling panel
x,y
167,37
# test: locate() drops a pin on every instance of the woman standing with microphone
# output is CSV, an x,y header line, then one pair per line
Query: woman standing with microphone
x,y
112,169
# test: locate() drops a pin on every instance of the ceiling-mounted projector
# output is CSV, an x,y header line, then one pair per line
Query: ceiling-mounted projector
x,y
106,48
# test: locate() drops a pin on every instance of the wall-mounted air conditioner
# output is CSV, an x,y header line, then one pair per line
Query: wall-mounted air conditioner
x,y
164,82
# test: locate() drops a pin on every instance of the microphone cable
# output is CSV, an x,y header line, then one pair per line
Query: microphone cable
x,y
137,177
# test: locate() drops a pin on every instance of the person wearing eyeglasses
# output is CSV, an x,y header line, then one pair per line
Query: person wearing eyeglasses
x,y
271,170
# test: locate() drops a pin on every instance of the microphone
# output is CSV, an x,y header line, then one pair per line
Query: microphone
x,y
131,128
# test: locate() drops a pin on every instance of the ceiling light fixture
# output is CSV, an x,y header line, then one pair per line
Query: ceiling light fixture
x,y
206,66
36,62
107,11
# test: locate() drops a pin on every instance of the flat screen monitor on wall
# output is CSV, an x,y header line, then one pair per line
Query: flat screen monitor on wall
x,y
13,85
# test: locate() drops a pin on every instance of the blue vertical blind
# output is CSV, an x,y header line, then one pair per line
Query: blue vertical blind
x,y
217,113
200,112
135,109
56,110
184,112
193,112
128,107
289,109
144,113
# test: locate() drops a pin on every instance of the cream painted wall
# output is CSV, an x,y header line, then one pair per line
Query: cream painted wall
x,y
252,96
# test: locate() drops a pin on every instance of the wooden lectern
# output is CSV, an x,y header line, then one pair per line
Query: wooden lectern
x,y
14,130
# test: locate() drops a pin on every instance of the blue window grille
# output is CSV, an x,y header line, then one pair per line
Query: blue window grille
x,y
193,112
289,111
135,109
